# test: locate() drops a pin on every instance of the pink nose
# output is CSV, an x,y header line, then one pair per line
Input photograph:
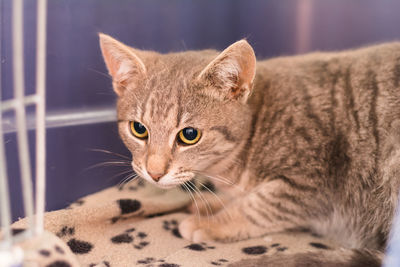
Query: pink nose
x,y
156,176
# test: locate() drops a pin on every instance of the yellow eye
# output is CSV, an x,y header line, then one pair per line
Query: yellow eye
x,y
189,136
138,130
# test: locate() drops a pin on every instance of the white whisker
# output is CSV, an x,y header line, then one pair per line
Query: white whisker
x,y
208,208
218,198
220,179
121,173
109,152
194,200
108,163
127,179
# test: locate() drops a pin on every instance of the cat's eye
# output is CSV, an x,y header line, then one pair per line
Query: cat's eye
x,y
138,130
189,136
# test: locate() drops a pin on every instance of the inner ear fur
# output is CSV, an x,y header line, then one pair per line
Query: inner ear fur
x,y
123,64
231,74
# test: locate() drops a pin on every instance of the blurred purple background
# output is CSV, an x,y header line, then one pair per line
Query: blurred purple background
x,y
75,70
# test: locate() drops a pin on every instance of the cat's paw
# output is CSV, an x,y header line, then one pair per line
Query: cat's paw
x,y
192,230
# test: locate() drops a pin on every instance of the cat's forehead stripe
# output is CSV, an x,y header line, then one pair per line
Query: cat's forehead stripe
x,y
179,111
223,130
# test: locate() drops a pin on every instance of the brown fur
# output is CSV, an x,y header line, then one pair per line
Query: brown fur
x,y
312,141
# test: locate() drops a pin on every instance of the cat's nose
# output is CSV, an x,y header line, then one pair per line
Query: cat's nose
x,y
156,176
157,166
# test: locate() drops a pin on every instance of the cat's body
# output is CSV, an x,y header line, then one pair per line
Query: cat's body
x,y
313,140
326,126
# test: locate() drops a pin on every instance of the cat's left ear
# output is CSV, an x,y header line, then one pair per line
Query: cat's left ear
x,y
231,74
122,63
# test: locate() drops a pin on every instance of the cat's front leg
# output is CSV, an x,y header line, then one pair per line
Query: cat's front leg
x,y
272,207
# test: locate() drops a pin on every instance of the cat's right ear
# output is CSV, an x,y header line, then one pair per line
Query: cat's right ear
x,y
231,73
122,63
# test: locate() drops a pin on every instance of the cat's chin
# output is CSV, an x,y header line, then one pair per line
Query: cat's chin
x,y
165,186
161,185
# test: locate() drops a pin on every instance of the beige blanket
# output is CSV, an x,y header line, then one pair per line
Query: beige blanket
x,y
137,225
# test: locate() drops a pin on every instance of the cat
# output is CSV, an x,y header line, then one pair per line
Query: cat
x,y
307,142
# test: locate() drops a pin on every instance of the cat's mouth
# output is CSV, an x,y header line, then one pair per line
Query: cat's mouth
x,y
167,181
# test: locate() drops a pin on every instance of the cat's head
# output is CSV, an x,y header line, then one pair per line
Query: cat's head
x,y
181,114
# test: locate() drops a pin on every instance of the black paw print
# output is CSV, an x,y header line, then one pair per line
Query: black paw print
x,y
104,263
65,231
172,226
47,253
149,261
76,246
76,203
59,263
319,245
199,246
219,262
278,247
134,186
56,252
255,250
128,209
130,236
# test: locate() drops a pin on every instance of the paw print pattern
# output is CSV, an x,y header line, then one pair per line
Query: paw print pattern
x,y
149,262
127,207
65,230
132,186
102,264
55,252
59,263
47,253
255,250
76,203
141,243
199,246
130,236
219,262
258,250
319,245
76,246
172,226
278,247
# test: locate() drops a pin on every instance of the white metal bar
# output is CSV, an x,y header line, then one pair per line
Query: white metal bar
x,y
5,211
22,134
64,118
13,103
40,115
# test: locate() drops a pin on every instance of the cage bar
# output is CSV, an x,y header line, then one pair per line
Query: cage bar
x,y
40,115
19,91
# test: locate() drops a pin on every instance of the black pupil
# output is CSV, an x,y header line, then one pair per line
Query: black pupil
x,y
139,128
190,133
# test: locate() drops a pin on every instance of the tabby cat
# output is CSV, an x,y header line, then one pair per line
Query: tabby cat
x,y
306,142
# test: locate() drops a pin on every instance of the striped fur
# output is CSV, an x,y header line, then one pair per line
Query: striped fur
x,y
312,142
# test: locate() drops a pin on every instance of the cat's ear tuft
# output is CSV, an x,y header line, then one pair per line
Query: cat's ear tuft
x,y
122,63
231,73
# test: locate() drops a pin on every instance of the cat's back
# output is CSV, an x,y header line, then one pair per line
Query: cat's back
x,y
336,82
386,52
328,108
